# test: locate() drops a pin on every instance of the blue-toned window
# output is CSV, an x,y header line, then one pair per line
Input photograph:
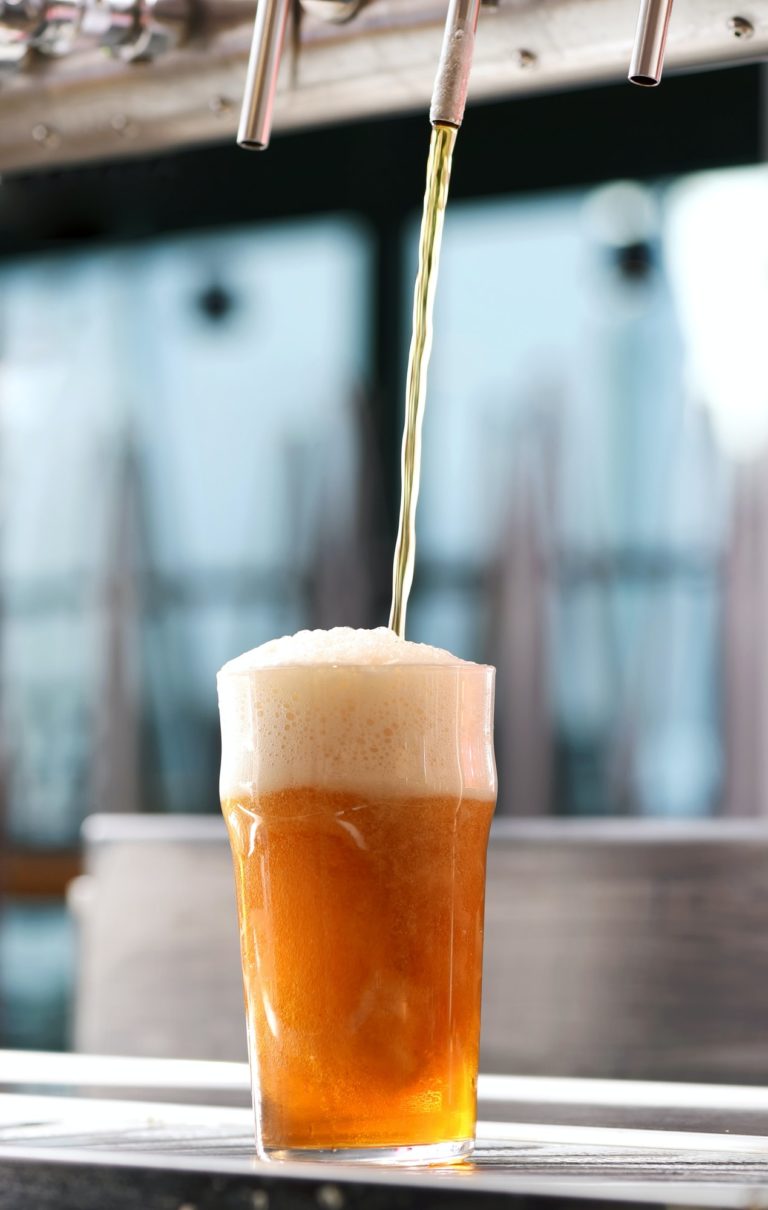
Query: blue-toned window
x,y
176,430
595,393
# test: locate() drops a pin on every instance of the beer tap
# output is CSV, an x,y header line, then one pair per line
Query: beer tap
x,y
449,95
650,40
450,91
264,63
261,81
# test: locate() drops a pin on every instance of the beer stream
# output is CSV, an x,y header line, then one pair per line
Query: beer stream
x,y
435,198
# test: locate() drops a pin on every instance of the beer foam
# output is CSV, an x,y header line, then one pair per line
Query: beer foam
x,y
362,711
342,645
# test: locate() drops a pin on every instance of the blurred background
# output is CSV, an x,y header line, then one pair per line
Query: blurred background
x,y
201,369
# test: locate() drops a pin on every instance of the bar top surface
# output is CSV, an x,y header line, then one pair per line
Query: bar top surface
x,y
84,1131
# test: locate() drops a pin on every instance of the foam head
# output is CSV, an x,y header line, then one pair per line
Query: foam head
x,y
356,710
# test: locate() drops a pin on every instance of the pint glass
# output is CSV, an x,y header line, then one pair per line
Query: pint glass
x,y
358,801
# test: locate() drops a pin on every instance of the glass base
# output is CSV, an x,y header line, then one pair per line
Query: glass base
x,y
419,1155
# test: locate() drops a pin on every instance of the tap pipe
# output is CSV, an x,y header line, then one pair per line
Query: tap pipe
x,y
449,95
261,79
650,40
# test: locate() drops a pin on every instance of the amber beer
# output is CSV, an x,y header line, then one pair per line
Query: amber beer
x,y
358,798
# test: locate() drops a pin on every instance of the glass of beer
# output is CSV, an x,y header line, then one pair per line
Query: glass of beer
x,y
358,782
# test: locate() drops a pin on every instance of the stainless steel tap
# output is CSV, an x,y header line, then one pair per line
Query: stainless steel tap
x,y
264,62
650,41
449,95
261,81
450,91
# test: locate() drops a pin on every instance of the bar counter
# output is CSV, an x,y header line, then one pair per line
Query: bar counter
x,y
85,1132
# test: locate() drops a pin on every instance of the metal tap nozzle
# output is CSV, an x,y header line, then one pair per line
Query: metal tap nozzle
x,y
650,39
261,80
264,62
449,95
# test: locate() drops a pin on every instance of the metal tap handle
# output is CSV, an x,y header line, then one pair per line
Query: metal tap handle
x,y
650,40
449,95
261,80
